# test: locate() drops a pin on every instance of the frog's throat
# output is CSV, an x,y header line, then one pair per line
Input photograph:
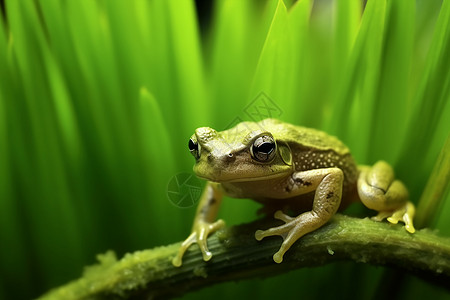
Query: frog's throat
x,y
244,179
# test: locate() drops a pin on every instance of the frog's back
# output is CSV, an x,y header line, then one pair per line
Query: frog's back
x,y
304,137
315,149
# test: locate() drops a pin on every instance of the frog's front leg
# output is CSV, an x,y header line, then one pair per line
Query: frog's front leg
x,y
203,223
378,190
327,184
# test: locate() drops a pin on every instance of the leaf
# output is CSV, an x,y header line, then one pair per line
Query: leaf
x,y
355,101
426,124
273,71
392,92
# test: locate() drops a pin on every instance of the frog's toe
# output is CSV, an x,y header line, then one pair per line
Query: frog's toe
x,y
279,230
206,255
394,219
410,228
289,240
404,214
282,216
381,216
407,217
204,249
199,235
278,257
260,234
203,236
216,225
178,259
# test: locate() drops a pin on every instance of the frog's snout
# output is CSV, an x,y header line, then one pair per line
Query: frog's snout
x,y
230,157
221,157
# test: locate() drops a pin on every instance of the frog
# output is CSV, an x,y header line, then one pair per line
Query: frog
x,y
289,169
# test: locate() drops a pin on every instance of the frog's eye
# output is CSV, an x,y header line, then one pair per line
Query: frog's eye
x,y
194,147
263,148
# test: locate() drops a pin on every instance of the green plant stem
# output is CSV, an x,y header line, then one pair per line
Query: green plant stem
x,y
237,255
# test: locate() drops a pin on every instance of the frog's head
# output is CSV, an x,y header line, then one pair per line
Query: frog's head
x,y
246,152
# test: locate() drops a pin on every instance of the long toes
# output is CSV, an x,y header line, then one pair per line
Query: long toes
x,y
408,217
289,240
202,243
205,251
279,215
206,255
410,228
381,216
396,216
192,238
260,234
176,261
404,214
392,220
408,223
216,225
278,257
280,230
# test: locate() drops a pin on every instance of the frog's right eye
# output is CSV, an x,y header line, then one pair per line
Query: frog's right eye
x,y
263,148
194,147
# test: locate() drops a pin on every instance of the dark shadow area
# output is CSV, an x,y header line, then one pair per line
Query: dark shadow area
x,y
204,13
3,10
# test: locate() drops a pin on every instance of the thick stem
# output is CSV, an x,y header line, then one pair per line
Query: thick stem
x,y
238,255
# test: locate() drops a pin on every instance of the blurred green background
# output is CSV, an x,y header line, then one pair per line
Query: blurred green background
x,y
99,98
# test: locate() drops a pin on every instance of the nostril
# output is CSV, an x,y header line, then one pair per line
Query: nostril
x,y
210,157
230,157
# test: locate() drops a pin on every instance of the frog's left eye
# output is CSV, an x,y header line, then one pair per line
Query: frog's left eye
x,y
194,147
263,148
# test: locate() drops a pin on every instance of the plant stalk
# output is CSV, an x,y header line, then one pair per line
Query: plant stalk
x,y
149,274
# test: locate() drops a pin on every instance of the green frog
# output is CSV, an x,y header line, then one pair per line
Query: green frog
x,y
287,168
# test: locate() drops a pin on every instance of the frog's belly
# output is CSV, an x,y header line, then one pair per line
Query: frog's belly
x,y
278,188
301,203
274,198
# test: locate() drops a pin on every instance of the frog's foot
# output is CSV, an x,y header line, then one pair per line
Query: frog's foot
x,y
379,190
199,235
404,214
291,231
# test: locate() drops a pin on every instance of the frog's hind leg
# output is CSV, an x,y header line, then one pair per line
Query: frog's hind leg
x,y
378,190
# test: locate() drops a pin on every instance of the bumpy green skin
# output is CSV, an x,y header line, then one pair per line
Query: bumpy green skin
x,y
307,172
150,273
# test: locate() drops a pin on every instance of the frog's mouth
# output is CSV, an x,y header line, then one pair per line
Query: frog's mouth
x,y
240,168
221,177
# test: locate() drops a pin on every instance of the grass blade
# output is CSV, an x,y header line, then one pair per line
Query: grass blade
x,y
427,124
356,99
436,189
273,70
392,92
